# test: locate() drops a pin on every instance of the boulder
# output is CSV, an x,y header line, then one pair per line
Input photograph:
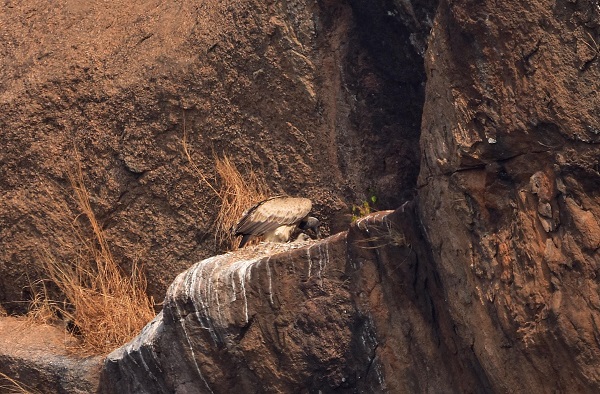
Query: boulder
x,y
45,359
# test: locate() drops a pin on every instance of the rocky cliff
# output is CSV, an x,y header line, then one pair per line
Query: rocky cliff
x,y
508,188
484,115
39,359
296,90
353,313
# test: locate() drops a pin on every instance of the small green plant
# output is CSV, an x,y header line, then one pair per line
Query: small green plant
x,y
368,206
359,211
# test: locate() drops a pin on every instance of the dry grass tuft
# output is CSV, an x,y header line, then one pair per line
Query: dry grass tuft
x,y
236,193
9,385
42,308
103,305
382,237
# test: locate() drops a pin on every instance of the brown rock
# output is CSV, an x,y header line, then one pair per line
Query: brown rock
x,y
586,224
352,313
506,196
291,90
486,282
44,358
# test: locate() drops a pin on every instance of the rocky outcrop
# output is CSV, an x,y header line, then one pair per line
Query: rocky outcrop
x,y
354,312
487,281
233,321
498,289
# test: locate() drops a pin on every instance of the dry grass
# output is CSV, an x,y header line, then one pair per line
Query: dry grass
x,y
9,385
236,193
106,307
381,237
42,308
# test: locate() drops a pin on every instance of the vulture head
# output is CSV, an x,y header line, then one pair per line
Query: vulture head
x,y
275,219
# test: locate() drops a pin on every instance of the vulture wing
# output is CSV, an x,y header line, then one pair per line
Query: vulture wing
x,y
274,212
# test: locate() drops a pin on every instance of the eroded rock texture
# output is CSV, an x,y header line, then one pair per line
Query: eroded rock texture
x,y
485,282
290,89
234,322
351,313
509,187
42,359
498,291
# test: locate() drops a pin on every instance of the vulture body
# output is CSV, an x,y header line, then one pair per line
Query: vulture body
x,y
276,219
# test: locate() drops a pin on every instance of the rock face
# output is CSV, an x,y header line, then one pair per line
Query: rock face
x,y
352,313
289,89
486,281
498,291
508,189
225,314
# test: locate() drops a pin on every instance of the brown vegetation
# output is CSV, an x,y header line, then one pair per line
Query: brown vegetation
x,y
236,192
101,303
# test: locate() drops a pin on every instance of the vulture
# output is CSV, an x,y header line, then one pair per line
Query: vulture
x,y
275,219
